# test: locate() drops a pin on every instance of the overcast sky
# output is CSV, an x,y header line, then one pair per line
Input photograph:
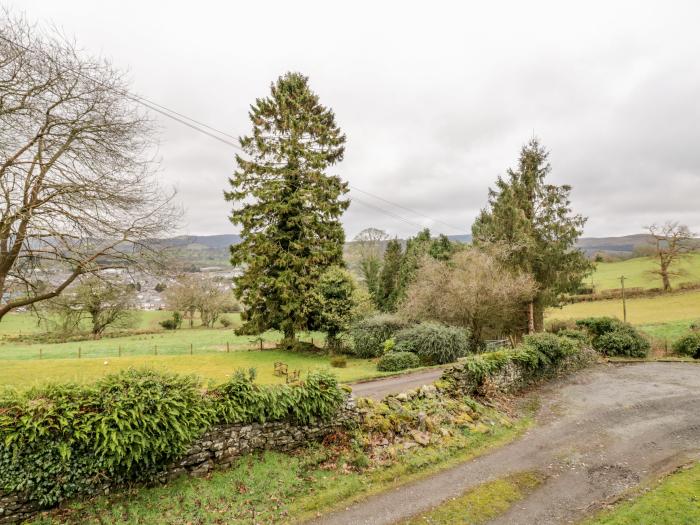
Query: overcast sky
x,y
436,98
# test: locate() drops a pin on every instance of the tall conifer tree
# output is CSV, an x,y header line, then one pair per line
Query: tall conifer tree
x,y
287,206
533,224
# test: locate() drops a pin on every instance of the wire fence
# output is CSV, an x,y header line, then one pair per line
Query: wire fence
x,y
114,349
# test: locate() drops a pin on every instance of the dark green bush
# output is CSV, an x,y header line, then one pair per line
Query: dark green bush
x,y
612,337
434,343
369,334
624,342
394,361
598,326
577,335
688,345
61,441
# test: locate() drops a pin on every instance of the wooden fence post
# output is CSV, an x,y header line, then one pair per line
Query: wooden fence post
x,y
79,352
41,351
155,349
228,349
190,348
261,343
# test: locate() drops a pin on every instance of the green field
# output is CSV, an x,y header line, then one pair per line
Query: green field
x,y
215,367
215,354
638,274
640,311
675,501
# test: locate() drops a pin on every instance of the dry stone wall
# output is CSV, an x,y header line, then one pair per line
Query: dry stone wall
x,y
217,448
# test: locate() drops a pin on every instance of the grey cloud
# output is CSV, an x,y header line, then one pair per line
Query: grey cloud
x,y
436,99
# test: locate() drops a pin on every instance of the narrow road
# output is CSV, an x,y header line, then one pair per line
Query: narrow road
x,y
599,433
379,388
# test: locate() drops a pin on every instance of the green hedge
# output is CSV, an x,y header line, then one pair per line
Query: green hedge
x,y
540,356
369,334
395,361
61,441
433,343
688,344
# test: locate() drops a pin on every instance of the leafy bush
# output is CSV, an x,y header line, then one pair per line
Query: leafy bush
x,y
61,441
225,322
434,343
598,326
689,345
369,334
625,341
174,323
612,337
577,335
339,361
394,361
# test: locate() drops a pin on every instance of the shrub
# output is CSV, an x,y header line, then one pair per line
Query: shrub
x,y
625,341
369,334
598,326
557,325
577,335
61,441
689,345
394,361
174,323
389,346
551,346
225,322
612,337
434,343
339,361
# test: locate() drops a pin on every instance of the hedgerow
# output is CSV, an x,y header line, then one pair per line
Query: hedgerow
x,y
60,441
539,356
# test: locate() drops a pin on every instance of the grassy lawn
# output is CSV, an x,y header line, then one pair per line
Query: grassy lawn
x,y
482,503
638,273
276,487
640,311
675,501
216,367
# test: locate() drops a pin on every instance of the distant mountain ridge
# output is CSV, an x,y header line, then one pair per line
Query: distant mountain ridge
x,y
213,250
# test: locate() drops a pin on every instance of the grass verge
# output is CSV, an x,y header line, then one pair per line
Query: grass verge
x,y
481,503
675,500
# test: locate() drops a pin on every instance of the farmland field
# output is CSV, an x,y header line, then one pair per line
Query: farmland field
x,y
216,353
638,274
640,311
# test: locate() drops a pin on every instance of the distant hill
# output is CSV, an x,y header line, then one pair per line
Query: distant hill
x,y
213,250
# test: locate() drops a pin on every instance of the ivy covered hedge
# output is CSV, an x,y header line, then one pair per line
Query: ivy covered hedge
x,y
540,356
61,441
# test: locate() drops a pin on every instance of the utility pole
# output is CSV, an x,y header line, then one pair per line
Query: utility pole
x,y
624,302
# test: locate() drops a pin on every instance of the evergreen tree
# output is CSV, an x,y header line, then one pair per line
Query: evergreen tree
x,y
287,206
533,224
388,290
336,304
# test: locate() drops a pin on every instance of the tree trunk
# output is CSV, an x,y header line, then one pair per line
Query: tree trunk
x,y
666,280
531,317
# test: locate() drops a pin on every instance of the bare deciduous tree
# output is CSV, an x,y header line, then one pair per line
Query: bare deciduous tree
x,y
77,192
191,295
472,289
103,303
670,242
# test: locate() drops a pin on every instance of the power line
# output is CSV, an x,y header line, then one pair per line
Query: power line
x,y
197,125
387,212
